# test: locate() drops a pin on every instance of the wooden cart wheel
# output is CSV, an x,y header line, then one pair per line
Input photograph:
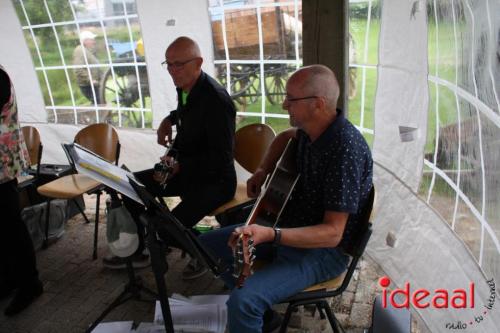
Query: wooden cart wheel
x,y
244,83
123,89
275,84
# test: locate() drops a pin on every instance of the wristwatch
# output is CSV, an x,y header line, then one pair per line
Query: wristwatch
x,y
277,236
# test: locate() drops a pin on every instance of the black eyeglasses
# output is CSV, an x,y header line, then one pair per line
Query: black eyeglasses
x,y
294,99
176,65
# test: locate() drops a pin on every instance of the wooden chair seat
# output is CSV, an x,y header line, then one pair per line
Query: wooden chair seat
x,y
68,187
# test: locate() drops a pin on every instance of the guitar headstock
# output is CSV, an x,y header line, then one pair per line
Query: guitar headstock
x,y
244,257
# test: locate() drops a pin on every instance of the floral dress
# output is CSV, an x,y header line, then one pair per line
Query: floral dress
x,y
14,156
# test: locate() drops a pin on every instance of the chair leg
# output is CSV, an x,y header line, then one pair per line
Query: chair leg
x,y
96,227
334,323
286,319
47,220
81,210
319,308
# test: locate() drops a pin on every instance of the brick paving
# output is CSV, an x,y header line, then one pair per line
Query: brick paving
x,y
78,289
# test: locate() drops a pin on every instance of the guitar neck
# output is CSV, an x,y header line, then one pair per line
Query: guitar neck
x,y
273,198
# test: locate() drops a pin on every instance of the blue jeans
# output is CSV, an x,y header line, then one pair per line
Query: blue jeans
x,y
291,271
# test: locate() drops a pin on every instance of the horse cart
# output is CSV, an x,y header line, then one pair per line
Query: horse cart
x,y
122,84
242,43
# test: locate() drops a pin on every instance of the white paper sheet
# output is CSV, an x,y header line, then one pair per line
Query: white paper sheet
x,y
202,313
101,170
114,327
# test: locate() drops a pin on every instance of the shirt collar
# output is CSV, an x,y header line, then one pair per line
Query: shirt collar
x,y
330,132
193,91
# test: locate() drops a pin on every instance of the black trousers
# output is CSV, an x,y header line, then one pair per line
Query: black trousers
x,y
17,255
199,197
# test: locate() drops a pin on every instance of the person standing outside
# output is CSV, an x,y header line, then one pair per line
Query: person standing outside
x,y
203,173
86,50
17,255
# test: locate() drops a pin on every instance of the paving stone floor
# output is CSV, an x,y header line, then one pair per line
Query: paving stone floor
x,y
78,289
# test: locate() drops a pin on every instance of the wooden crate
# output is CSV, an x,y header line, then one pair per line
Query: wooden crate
x,y
242,29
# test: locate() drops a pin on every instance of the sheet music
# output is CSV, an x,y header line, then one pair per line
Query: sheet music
x,y
203,313
114,327
92,165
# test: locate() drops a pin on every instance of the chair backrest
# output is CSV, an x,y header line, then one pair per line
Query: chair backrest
x,y
359,240
34,145
101,139
251,143
356,246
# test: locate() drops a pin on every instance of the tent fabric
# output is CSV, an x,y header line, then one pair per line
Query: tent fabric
x,y
453,108
402,93
427,254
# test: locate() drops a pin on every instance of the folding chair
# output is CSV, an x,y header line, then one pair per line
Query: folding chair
x,y
318,294
101,139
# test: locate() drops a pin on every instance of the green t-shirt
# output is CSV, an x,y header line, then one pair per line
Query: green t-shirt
x,y
184,97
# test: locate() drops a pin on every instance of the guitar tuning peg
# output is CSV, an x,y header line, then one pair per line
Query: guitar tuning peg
x,y
252,258
250,242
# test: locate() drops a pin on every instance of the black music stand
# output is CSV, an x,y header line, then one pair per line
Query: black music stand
x,y
158,219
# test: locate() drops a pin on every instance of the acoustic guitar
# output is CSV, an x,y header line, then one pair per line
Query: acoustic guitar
x,y
267,209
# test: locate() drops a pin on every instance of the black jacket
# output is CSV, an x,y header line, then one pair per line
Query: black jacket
x,y
205,131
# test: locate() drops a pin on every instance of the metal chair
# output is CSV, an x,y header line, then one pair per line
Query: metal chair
x,y
251,143
318,294
101,139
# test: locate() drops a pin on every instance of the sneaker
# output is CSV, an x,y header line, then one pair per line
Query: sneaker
x,y
193,270
139,260
272,321
23,298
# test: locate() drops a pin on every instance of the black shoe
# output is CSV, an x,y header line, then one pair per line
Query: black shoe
x,y
139,260
272,320
24,297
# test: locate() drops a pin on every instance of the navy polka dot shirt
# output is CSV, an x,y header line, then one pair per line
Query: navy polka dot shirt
x,y
335,174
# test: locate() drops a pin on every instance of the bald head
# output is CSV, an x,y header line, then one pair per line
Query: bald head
x,y
188,46
183,59
318,80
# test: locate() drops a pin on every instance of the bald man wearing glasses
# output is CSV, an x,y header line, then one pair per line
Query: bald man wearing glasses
x,y
322,214
203,173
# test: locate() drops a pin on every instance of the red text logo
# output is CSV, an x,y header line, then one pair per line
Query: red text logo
x,y
423,298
